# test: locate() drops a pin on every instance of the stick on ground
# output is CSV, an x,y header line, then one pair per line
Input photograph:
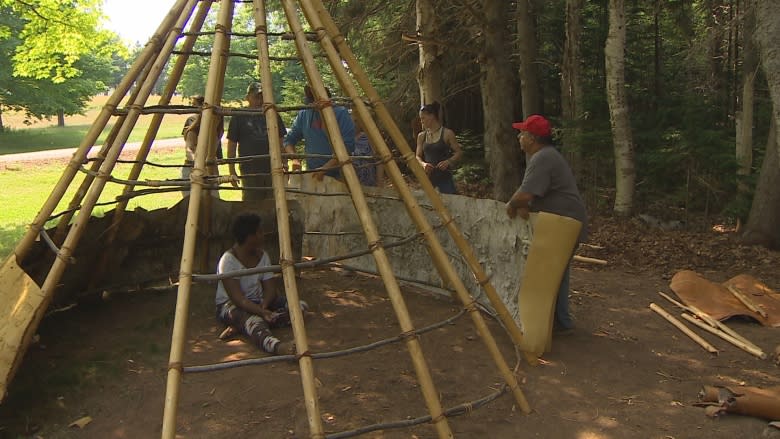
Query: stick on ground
x,y
685,330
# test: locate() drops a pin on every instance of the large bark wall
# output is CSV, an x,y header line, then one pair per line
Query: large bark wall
x,y
500,244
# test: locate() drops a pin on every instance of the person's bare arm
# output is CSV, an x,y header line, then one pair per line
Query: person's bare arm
x,y
232,147
457,151
421,154
236,295
518,204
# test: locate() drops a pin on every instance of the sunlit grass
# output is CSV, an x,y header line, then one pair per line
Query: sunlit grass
x,y
38,135
29,185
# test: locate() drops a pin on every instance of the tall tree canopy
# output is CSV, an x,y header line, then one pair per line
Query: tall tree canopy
x,y
54,55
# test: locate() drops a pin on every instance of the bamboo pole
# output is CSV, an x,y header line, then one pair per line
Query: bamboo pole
x,y
430,395
752,350
409,156
685,330
749,304
191,229
151,48
286,257
54,275
146,144
715,323
435,248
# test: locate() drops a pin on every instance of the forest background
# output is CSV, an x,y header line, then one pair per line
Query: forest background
x,y
663,107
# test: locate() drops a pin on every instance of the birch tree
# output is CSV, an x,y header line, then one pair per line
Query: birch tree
x,y
614,51
429,72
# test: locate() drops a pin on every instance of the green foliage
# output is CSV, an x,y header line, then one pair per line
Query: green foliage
x,y
54,57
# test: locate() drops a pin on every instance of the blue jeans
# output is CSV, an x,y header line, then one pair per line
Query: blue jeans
x,y
562,317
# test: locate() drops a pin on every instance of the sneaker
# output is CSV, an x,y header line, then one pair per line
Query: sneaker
x,y
285,348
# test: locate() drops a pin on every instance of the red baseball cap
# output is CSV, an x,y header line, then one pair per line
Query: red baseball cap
x,y
535,124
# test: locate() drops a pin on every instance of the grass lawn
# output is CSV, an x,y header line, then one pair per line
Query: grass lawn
x,y
30,184
44,135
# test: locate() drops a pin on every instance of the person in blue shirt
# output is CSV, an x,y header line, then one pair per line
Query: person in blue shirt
x,y
310,127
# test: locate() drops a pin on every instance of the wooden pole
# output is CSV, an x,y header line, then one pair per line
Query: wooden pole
x,y
409,156
715,323
146,144
151,48
749,304
588,260
191,228
435,248
685,330
286,256
427,387
745,347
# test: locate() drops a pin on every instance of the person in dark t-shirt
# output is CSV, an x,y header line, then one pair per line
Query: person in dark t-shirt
x,y
548,186
437,149
248,136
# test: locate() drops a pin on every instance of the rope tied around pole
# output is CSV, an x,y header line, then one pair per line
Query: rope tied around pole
x,y
177,365
65,255
438,418
197,175
471,306
320,33
286,263
484,281
219,27
408,334
375,245
269,106
302,354
409,156
135,107
322,103
261,29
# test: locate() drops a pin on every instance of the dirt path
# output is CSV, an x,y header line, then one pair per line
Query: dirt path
x,y
66,153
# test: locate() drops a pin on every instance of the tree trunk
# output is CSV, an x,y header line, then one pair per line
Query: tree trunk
x,y
764,216
429,72
614,51
571,84
60,118
2,127
744,147
502,150
530,87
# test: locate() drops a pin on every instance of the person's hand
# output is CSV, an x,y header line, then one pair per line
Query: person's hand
x,y
267,315
523,213
428,168
443,165
234,179
511,211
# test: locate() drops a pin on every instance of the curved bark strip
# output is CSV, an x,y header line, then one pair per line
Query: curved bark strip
x,y
749,401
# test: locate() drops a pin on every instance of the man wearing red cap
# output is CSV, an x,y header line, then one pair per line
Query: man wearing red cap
x,y
548,186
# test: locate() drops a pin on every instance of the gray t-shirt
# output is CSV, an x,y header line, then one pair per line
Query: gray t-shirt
x,y
549,178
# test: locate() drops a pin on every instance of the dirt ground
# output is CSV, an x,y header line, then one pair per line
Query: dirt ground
x,y
623,373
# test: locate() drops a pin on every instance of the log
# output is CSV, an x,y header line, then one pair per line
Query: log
x,y
753,350
579,258
685,330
